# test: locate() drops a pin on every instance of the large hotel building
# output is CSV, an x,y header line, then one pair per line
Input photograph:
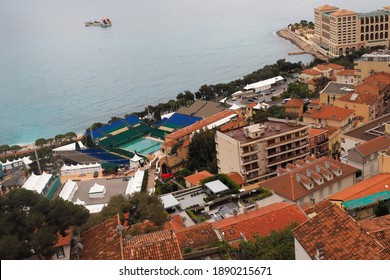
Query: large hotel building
x,y
340,32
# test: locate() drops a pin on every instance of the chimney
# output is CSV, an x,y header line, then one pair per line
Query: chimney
x,y
334,117
245,210
235,212
320,253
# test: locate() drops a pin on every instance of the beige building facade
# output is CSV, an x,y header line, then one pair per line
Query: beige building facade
x,y
257,151
372,63
341,32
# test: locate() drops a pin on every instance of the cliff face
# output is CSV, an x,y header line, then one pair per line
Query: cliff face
x,y
301,43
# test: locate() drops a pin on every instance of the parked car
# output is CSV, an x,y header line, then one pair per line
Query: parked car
x,y
95,174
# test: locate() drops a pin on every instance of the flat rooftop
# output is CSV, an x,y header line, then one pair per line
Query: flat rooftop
x,y
370,130
113,187
270,130
338,88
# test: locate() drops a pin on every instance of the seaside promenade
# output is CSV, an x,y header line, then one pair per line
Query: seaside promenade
x,y
302,43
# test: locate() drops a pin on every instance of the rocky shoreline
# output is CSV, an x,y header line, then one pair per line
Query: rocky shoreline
x,y
300,43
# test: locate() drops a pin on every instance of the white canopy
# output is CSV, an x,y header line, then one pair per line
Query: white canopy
x,y
135,183
17,162
68,190
169,201
223,100
95,208
136,158
79,202
221,121
216,186
37,182
237,93
96,188
234,107
80,166
257,107
266,84
70,147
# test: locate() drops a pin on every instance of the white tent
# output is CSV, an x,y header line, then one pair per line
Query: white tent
x,y
37,182
79,202
237,93
8,165
223,100
68,190
97,191
135,183
216,187
234,107
169,201
263,85
80,169
70,147
265,105
95,208
257,107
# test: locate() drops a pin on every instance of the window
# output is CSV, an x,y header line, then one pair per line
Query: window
x,y
330,189
321,193
339,186
60,252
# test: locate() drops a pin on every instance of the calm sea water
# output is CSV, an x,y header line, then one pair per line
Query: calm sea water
x,y
56,75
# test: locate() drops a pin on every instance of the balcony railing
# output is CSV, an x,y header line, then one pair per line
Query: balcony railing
x,y
290,140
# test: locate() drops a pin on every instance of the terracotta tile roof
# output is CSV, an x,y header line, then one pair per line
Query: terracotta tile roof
x,y
232,124
340,237
294,103
380,78
175,222
288,186
63,241
316,208
326,8
159,245
186,143
335,66
329,112
196,236
343,12
251,105
364,188
347,72
367,88
310,159
315,101
379,228
199,125
311,72
321,67
236,178
195,179
376,224
374,145
331,130
102,242
262,222
313,132
366,98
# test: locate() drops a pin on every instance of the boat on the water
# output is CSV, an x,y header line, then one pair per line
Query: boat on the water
x,y
104,22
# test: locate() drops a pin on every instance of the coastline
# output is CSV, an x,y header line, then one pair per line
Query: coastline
x,y
300,43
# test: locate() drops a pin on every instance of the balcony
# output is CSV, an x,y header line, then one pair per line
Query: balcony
x,y
289,149
286,141
247,160
288,157
251,168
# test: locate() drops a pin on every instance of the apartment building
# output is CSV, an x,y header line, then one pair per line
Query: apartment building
x,y
372,63
341,32
258,150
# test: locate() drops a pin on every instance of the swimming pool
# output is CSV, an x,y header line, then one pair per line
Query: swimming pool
x,y
143,146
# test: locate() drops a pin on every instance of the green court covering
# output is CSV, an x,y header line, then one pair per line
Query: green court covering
x,y
367,200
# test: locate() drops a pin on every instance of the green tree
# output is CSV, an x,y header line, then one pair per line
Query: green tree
x,y
4,148
71,136
59,138
29,223
382,209
202,152
40,142
275,246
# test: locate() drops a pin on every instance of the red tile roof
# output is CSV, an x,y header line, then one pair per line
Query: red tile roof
x,y
347,72
195,179
64,240
316,208
335,66
175,222
159,245
294,103
236,178
262,222
328,112
340,237
360,98
288,186
374,145
321,67
313,132
102,242
196,236
379,228
311,72
199,125
364,188
326,8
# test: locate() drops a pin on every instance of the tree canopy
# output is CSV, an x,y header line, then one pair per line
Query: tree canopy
x,y
276,246
202,152
29,223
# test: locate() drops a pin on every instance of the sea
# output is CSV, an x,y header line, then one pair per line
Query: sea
x,y
57,76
